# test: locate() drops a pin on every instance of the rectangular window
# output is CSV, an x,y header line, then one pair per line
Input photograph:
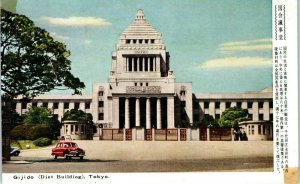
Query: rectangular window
x,y
250,116
101,116
34,104
128,41
55,105
147,84
271,104
141,84
146,41
261,117
206,105
152,40
271,117
260,104
135,84
239,104
182,93
45,104
249,105
100,93
217,105
87,105
24,105
76,105
101,104
140,41
134,41
228,104
66,105
55,116
259,129
217,116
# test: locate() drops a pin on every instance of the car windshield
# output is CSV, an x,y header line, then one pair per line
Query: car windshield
x,y
73,144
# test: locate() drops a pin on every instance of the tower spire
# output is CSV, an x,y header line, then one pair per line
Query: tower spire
x,y
140,15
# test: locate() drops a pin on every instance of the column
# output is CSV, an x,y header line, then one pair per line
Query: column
x,y
137,112
143,64
115,117
127,65
149,60
170,111
158,113
132,64
127,120
138,64
148,116
157,62
154,65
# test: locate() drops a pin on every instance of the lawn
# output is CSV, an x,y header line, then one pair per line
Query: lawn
x,y
22,144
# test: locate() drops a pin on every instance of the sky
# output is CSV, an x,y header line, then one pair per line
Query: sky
x,y
220,46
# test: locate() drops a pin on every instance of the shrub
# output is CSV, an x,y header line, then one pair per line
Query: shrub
x,y
43,141
21,132
38,131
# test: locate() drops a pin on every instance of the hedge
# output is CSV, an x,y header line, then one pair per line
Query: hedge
x,y
30,132
43,141
20,132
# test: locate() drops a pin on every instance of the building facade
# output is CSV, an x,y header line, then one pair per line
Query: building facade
x,y
142,90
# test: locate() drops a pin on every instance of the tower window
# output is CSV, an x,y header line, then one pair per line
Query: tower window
x,y
101,104
101,116
100,93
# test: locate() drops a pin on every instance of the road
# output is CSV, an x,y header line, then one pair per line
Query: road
x,y
152,156
46,165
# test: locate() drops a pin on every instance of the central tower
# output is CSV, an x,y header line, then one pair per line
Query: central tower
x,y
141,54
141,90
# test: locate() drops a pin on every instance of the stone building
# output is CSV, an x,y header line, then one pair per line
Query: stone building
x,y
142,90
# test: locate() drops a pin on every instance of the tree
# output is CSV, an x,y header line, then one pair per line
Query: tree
x,y
232,116
42,116
77,115
208,121
32,62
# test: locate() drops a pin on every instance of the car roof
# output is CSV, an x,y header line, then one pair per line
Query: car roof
x,y
66,142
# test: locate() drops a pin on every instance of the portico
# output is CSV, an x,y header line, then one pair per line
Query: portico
x,y
144,111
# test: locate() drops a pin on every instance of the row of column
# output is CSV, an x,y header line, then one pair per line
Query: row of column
x,y
170,111
71,129
142,64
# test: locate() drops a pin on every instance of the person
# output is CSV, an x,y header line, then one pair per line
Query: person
x,y
244,136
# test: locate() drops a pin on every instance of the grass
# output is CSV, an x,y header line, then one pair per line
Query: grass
x,y
22,144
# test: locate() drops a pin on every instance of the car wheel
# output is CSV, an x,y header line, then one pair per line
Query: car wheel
x,y
81,157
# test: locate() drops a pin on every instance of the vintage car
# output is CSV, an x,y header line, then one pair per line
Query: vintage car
x,y
14,151
67,150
